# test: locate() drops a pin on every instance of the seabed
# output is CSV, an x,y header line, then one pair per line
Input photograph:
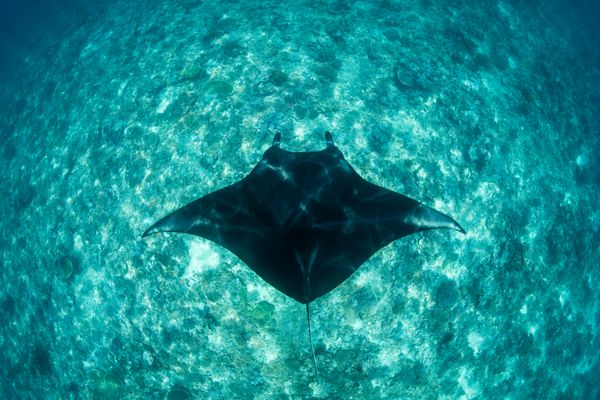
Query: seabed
x,y
486,111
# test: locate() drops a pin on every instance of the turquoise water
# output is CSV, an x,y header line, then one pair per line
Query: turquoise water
x,y
115,114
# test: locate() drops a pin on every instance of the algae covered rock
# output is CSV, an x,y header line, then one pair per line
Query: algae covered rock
x,y
217,88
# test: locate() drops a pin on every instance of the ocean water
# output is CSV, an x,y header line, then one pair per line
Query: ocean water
x,y
116,113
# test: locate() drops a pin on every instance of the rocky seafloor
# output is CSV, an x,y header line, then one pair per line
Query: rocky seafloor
x,y
487,111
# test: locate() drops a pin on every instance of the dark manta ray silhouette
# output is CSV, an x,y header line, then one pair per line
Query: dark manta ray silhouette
x,y
303,221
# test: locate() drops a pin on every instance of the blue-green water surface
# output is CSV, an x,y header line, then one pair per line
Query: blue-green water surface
x,y
115,114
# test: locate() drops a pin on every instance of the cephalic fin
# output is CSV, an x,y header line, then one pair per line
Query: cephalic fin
x,y
329,139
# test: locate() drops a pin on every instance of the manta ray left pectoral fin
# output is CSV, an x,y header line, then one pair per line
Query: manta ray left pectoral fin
x,y
210,216
178,221
222,217
188,219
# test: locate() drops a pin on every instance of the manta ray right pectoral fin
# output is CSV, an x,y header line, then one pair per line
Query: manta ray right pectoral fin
x,y
391,216
424,218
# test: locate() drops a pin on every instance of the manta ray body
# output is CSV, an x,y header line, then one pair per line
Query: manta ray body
x,y
303,221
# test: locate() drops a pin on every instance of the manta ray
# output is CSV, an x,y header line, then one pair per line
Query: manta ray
x,y
303,221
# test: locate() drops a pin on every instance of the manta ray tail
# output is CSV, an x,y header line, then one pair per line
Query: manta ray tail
x,y
311,341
